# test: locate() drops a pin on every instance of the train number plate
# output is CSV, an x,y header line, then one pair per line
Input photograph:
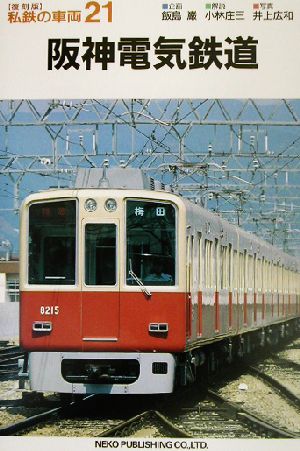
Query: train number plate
x,y
49,310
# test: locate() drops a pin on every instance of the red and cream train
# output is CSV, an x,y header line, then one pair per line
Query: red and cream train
x,y
125,286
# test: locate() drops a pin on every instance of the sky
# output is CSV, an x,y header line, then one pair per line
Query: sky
x,y
149,140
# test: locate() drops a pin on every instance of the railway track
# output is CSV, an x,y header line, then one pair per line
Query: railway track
x,y
221,412
213,417
217,417
79,418
282,369
9,356
149,423
23,425
281,378
268,390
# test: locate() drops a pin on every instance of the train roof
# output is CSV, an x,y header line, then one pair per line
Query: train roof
x,y
118,178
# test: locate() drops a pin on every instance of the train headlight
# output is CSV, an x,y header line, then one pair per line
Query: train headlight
x,y
90,205
110,205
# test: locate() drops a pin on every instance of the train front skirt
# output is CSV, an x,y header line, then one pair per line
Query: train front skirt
x,y
102,373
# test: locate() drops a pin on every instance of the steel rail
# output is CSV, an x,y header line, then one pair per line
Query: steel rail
x,y
253,421
28,422
9,349
273,383
152,415
25,424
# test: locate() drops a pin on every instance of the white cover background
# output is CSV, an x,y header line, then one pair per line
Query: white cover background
x,y
24,52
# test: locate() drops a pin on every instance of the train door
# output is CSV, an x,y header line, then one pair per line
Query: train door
x,y
235,290
199,269
100,294
242,305
189,282
233,295
209,288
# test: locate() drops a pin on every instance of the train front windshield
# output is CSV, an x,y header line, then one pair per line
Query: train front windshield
x,y
151,243
52,243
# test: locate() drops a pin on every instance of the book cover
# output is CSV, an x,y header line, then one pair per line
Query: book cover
x,y
201,96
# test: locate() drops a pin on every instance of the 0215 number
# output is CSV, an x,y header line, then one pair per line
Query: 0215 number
x,y
49,310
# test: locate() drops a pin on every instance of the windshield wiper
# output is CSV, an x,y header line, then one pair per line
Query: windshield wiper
x,y
138,280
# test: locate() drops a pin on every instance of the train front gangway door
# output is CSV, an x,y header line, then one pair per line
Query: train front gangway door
x,y
100,294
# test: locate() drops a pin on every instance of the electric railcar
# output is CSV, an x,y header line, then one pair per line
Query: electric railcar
x,y
124,288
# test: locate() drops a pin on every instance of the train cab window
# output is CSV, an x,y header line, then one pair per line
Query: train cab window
x,y
100,254
52,243
151,243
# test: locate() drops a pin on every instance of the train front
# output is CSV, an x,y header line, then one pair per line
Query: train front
x,y
103,301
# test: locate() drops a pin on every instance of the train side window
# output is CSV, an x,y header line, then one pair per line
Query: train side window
x,y
276,277
293,285
268,275
245,270
286,279
271,277
259,274
200,264
255,272
290,284
263,274
230,267
190,262
279,278
100,254
209,264
217,266
224,270
250,271
293,282
235,275
271,287
242,270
